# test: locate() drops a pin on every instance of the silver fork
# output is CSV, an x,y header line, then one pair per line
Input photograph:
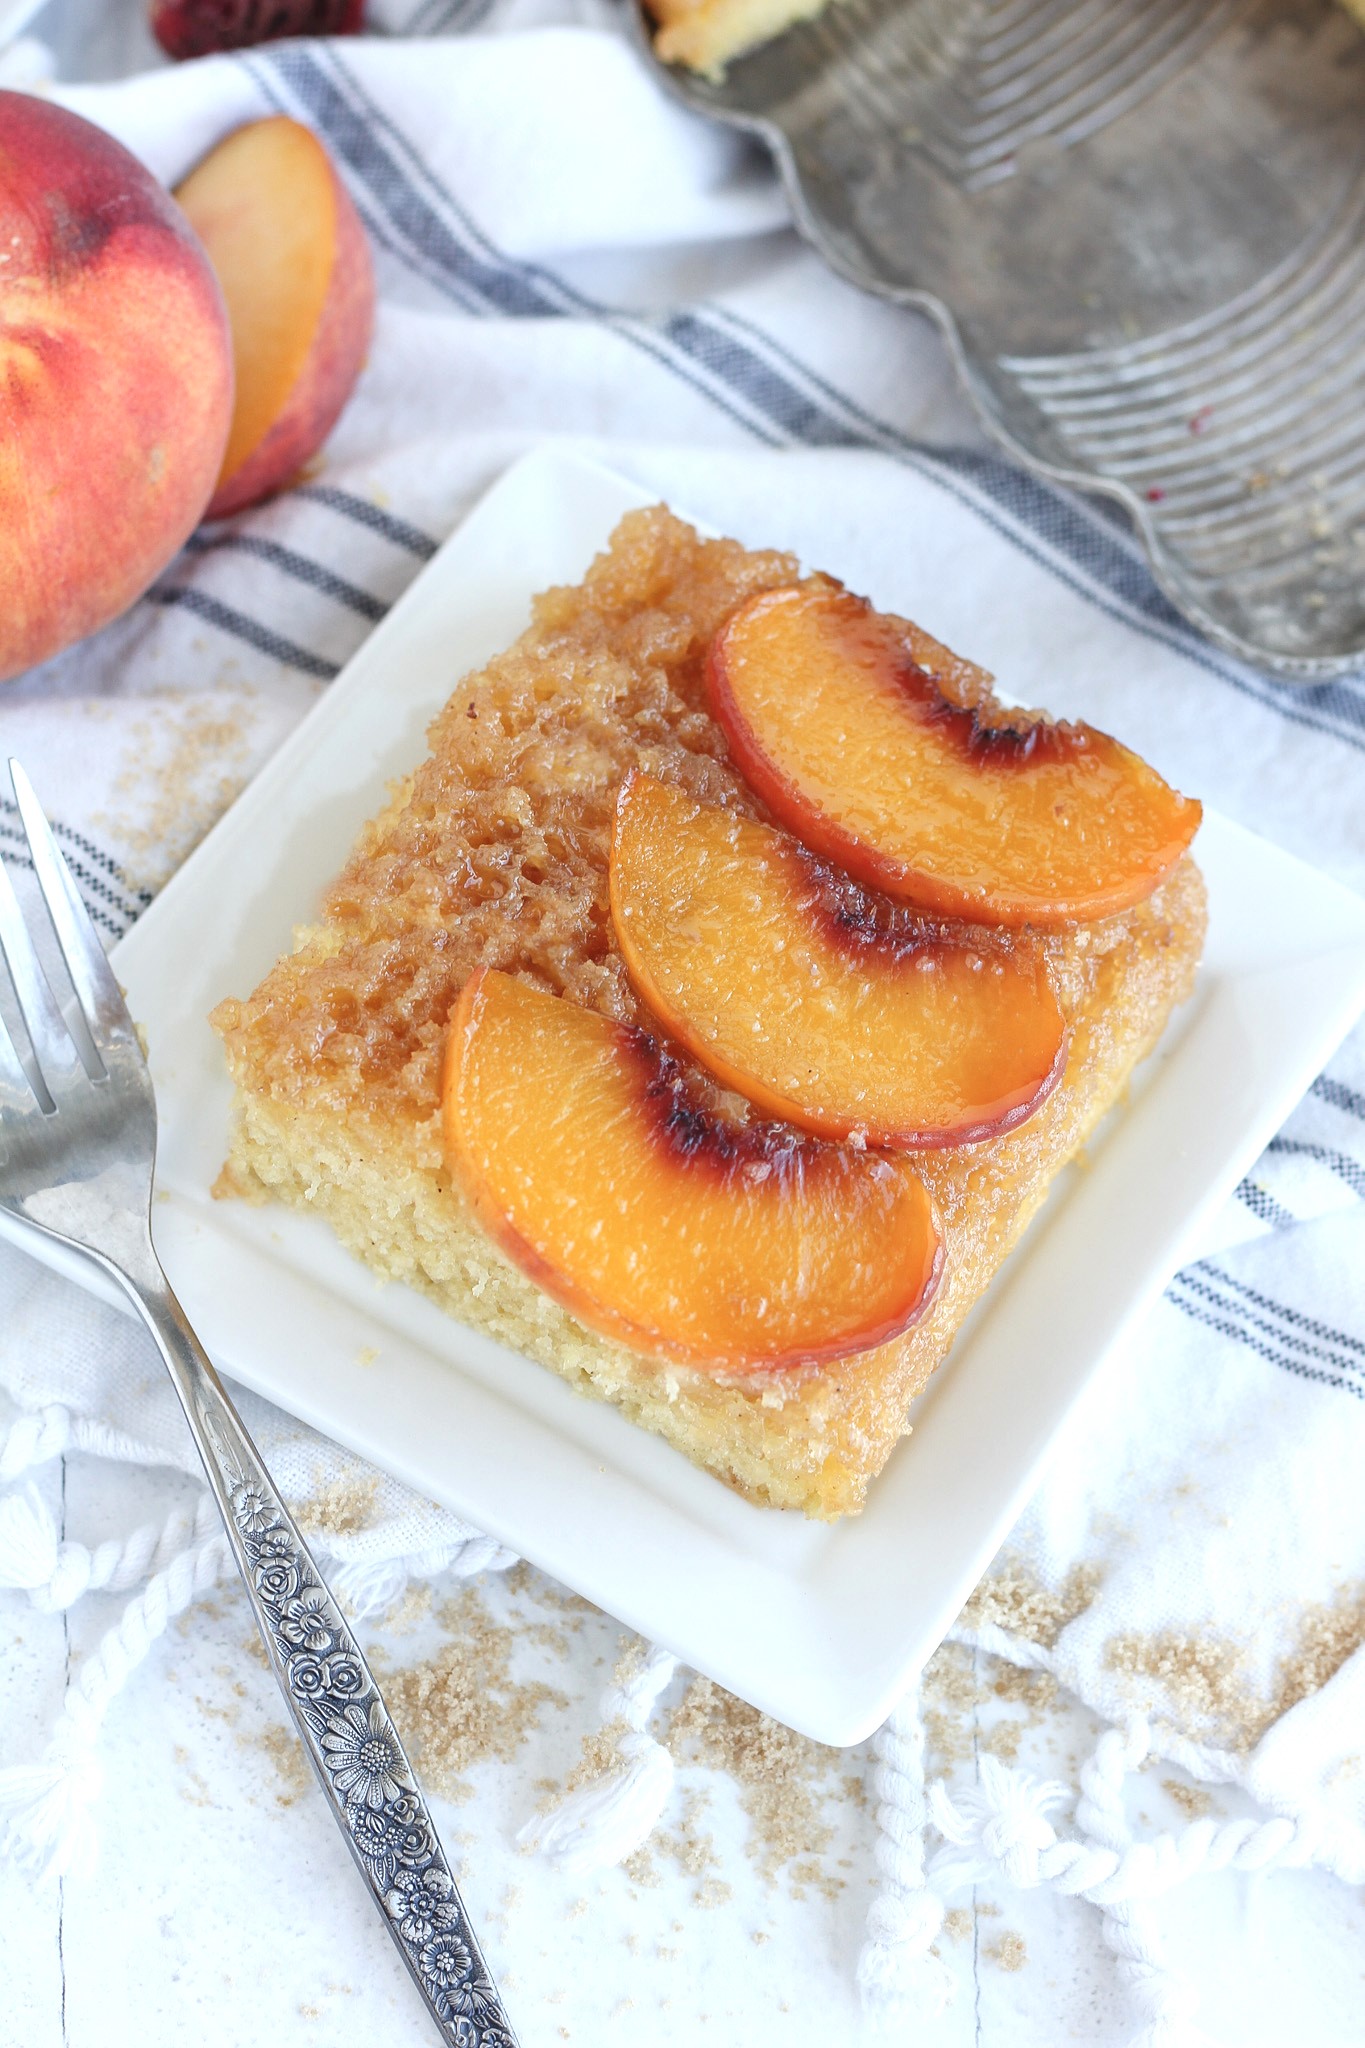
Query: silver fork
x,y
77,1146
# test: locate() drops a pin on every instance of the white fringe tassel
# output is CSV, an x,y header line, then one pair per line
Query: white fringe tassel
x,y
1129,1925
45,1808
1002,1828
364,1589
42,1434
898,1977
55,1574
603,1822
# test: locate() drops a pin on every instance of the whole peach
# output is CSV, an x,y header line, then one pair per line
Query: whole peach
x,y
115,379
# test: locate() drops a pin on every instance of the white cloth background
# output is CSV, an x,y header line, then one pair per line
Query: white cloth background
x,y
562,253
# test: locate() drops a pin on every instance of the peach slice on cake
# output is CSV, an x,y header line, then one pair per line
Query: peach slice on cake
x,y
991,815
654,1221
796,989
294,264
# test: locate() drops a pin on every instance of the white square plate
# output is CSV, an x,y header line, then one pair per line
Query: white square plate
x,y
821,1626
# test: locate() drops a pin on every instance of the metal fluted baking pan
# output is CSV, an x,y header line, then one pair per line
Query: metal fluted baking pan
x,y
1141,227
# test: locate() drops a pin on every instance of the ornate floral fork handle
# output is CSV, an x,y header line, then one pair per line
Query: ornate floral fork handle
x,y
77,1145
337,1707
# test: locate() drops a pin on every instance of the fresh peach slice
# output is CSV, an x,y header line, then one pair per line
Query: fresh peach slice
x,y
790,988
653,1221
1000,817
294,264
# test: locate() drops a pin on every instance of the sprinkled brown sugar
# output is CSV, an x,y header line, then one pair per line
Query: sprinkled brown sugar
x,y
691,1846
1003,1740
412,1607
950,1697
1327,1636
182,772
285,1752
599,1754
855,1789
1192,1800
783,1780
571,1609
1035,1689
193,1791
342,1505
1013,1598
1008,1952
1199,1675
462,1706
548,1635
641,1868
950,1676
1202,1680
961,1692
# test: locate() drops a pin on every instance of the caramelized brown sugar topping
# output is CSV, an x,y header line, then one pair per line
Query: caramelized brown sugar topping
x,y
495,853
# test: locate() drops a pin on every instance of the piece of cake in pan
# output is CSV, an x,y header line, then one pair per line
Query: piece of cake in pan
x,y
705,35
494,855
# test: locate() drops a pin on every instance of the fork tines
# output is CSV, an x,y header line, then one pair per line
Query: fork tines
x,y
59,1049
